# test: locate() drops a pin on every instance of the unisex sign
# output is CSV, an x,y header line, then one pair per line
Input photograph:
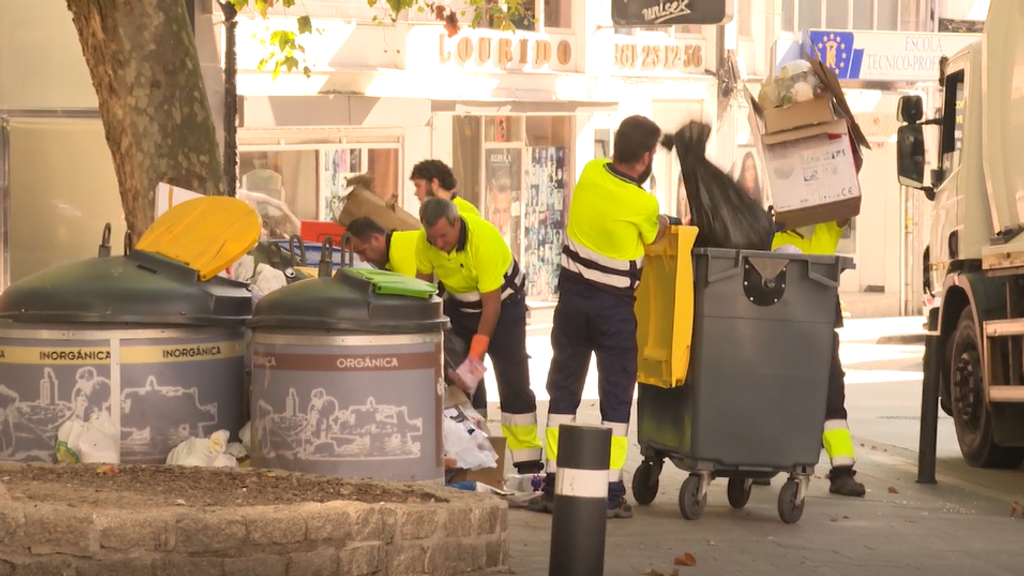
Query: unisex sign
x,y
649,13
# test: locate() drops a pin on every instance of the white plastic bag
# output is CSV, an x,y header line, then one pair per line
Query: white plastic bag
x,y
267,279
243,269
208,452
467,445
244,436
95,441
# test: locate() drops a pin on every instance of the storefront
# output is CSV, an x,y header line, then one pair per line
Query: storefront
x,y
876,69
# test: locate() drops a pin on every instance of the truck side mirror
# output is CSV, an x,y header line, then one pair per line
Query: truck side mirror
x,y
910,109
910,155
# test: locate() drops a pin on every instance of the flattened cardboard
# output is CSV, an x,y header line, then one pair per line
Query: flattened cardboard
x,y
812,182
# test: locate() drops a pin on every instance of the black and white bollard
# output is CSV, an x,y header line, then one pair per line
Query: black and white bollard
x,y
580,510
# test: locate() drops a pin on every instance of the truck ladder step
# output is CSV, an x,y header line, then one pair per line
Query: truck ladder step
x,y
1006,393
1001,328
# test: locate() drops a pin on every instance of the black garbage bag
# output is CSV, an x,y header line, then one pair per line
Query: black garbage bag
x,y
455,353
726,216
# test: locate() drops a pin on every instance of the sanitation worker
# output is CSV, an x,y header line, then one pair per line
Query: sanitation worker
x,y
611,219
434,179
394,250
485,301
824,239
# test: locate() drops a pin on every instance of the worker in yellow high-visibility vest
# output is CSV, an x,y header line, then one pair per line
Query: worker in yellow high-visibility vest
x,y
394,250
434,179
824,239
486,302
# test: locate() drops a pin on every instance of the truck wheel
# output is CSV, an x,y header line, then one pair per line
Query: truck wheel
x,y
972,415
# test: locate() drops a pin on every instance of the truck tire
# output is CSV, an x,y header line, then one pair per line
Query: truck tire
x,y
972,415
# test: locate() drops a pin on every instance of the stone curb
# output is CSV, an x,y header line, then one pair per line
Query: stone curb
x,y
902,339
464,533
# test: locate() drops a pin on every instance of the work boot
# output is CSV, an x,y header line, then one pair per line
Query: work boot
x,y
544,503
530,467
842,482
621,509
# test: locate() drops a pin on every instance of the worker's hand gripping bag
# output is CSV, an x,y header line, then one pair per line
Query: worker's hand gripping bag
x,y
726,216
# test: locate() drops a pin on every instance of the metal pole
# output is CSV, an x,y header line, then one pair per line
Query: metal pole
x,y
928,438
580,518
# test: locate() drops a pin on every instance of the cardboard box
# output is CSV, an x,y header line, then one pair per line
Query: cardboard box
x,y
362,202
810,113
494,477
811,174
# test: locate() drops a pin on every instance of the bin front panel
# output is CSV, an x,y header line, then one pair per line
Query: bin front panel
x,y
348,406
165,387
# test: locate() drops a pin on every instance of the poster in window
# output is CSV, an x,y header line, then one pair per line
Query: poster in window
x,y
500,129
336,167
748,175
543,220
502,174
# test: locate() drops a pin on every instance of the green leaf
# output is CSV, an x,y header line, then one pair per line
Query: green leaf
x,y
284,39
305,25
291,63
307,72
288,3
261,7
277,69
240,4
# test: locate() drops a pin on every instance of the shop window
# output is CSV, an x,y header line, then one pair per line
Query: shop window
x,y
545,200
809,15
837,14
863,14
467,146
888,14
289,186
789,15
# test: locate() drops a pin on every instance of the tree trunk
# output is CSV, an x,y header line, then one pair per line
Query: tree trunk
x,y
230,97
143,62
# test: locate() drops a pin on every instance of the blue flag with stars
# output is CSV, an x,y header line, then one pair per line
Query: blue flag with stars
x,y
835,49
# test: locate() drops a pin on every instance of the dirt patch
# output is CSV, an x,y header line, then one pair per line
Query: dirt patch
x,y
127,487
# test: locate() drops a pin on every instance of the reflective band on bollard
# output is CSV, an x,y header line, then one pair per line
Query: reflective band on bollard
x,y
581,501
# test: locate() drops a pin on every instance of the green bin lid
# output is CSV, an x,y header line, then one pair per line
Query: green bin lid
x,y
141,288
356,300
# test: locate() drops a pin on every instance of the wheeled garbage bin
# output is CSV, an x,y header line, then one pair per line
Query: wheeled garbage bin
x,y
751,403
137,340
347,378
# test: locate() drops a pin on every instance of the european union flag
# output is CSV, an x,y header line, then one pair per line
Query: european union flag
x,y
835,49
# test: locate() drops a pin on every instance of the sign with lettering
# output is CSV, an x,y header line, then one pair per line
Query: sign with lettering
x,y
649,13
659,58
483,50
884,56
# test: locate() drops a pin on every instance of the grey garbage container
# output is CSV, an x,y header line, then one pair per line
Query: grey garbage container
x,y
138,337
347,378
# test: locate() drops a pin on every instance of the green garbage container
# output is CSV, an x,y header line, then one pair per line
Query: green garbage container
x,y
136,337
347,378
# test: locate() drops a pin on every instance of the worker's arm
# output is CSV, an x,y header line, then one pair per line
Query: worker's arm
x,y
663,223
424,267
649,222
491,302
424,277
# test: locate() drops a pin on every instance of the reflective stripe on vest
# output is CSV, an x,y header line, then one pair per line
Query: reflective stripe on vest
x,y
619,274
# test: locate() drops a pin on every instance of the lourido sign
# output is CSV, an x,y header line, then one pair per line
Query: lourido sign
x,y
670,12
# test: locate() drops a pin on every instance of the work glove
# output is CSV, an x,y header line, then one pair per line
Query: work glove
x,y
469,374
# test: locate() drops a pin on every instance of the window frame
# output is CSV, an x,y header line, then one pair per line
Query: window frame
x,y
795,26
540,20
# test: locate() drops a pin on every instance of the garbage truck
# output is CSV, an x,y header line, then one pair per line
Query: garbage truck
x,y
975,256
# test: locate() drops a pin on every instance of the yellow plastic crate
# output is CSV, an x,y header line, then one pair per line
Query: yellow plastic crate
x,y
664,309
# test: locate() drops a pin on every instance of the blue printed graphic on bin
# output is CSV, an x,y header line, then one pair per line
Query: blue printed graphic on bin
x,y
835,48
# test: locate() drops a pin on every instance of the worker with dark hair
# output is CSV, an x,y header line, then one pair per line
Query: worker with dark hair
x,y
611,219
434,179
485,301
394,250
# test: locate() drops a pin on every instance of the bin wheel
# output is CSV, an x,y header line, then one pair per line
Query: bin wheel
x,y
691,504
790,510
645,484
738,492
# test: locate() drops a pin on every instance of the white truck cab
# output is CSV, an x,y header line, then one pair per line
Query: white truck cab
x,y
975,255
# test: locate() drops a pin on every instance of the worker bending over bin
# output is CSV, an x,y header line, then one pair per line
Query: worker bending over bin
x,y
394,251
611,219
824,239
485,301
434,179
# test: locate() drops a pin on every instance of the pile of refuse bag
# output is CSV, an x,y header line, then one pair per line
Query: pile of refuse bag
x,y
726,216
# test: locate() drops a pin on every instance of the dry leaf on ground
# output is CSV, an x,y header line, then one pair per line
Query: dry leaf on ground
x,y
686,559
107,469
1015,509
893,490
711,543
653,572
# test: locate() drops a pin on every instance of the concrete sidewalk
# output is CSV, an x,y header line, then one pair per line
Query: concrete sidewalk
x,y
899,528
